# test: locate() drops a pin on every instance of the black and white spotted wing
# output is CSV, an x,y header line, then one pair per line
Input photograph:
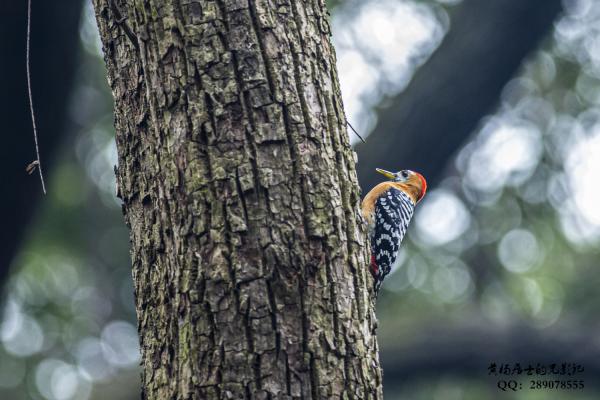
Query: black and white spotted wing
x,y
393,212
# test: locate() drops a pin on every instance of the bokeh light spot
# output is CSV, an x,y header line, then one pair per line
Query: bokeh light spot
x,y
441,218
519,251
120,344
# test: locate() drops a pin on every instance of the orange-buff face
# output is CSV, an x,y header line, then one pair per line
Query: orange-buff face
x,y
412,183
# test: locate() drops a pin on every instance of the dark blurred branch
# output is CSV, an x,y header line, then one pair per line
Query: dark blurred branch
x,y
466,352
54,45
427,123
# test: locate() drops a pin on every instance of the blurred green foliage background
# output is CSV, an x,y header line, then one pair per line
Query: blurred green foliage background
x,y
499,265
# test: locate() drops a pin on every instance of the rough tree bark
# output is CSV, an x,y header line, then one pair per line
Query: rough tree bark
x,y
240,190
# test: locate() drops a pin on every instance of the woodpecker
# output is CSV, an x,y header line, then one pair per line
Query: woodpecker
x,y
387,210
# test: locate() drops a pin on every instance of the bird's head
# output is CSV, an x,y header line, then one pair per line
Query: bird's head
x,y
413,183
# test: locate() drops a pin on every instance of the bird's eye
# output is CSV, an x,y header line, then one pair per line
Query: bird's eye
x,y
404,174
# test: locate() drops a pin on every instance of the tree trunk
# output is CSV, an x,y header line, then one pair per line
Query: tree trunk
x,y
240,190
